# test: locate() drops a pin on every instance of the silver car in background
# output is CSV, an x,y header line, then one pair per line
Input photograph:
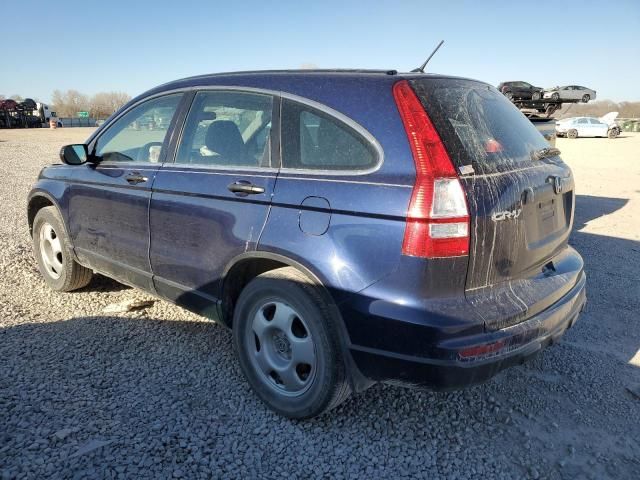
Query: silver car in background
x,y
570,93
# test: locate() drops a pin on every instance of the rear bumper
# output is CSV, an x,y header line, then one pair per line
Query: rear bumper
x,y
461,361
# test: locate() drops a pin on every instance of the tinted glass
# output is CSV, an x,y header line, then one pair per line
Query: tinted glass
x,y
582,120
315,140
478,125
227,129
139,135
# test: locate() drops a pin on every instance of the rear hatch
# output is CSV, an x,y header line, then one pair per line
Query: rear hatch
x,y
520,197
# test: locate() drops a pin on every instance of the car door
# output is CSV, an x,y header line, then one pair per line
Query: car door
x,y
525,90
583,127
211,203
109,196
598,128
574,93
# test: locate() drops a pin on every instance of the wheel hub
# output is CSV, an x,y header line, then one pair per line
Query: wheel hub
x,y
282,345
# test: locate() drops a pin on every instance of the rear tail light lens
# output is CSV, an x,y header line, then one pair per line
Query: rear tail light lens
x,y
438,217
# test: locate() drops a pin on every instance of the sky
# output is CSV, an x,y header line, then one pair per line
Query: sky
x,y
132,46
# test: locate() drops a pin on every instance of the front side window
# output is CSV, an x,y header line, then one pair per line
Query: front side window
x,y
582,121
315,140
140,134
227,129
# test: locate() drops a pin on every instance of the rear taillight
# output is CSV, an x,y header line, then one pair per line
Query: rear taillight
x,y
438,218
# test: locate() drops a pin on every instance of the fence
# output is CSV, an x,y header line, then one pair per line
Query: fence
x,y
77,122
629,124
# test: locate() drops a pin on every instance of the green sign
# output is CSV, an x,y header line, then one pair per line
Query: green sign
x,y
83,114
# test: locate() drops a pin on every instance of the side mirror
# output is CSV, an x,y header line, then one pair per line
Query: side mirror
x,y
74,154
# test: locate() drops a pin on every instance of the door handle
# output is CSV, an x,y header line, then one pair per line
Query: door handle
x,y
244,187
134,178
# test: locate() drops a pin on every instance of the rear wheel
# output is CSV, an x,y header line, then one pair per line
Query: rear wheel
x,y
53,252
572,133
613,133
585,98
286,340
555,96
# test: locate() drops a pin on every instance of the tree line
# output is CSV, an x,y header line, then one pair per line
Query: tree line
x,y
100,105
599,108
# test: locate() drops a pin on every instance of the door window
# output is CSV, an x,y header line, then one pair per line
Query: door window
x,y
315,140
140,134
582,121
227,129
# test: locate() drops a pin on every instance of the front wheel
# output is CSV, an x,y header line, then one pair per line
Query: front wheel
x,y
555,96
572,133
54,254
613,133
286,339
536,96
585,98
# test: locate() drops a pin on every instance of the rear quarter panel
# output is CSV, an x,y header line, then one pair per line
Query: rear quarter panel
x,y
365,212
363,241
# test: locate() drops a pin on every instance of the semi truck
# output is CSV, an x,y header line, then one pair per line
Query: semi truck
x,y
25,114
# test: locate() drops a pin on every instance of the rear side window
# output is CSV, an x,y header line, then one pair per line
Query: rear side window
x,y
478,125
315,140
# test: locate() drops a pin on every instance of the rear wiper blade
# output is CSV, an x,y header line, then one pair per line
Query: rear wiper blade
x,y
545,153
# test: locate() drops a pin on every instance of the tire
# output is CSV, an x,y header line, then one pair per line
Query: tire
x,y
536,96
54,253
509,95
555,96
613,133
573,133
279,316
585,98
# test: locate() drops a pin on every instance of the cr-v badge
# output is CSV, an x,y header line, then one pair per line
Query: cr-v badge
x,y
506,215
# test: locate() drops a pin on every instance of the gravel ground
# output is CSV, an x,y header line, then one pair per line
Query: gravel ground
x,y
157,392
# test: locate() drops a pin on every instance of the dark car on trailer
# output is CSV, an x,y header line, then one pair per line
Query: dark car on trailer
x,y
519,90
349,226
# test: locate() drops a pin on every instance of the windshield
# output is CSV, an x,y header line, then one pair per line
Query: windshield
x,y
478,125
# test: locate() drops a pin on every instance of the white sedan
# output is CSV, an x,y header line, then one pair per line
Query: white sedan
x,y
585,127
570,93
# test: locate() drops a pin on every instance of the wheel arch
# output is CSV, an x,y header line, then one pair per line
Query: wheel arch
x,y
37,201
245,267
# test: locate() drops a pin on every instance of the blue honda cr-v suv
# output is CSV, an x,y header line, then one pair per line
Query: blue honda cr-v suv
x,y
349,226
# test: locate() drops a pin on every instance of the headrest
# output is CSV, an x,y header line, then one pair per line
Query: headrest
x,y
224,138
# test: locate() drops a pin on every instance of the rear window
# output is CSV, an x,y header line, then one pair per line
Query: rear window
x,y
478,125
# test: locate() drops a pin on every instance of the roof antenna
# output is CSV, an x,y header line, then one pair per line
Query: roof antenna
x,y
421,67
